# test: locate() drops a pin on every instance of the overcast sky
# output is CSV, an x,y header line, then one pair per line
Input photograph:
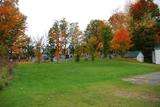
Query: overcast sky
x,y
42,13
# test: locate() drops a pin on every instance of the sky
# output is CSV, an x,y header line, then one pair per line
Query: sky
x,y
41,14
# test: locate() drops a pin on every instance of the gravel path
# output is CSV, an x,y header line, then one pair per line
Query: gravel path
x,y
152,78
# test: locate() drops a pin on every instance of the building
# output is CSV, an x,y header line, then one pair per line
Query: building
x,y
135,55
156,56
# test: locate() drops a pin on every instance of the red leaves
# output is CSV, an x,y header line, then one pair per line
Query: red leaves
x,y
143,8
136,8
121,41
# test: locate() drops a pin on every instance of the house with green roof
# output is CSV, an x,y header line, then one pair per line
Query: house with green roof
x,y
137,55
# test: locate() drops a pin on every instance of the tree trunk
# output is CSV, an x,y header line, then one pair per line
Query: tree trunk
x,y
93,57
57,51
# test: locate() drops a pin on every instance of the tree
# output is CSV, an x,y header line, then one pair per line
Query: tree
x,y
54,36
121,42
58,34
106,33
64,34
28,49
12,23
93,33
38,49
75,39
100,32
12,26
50,49
143,26
18,49
92,46
157,31
118,21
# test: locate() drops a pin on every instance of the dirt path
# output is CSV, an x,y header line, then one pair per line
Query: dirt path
x,y
152,78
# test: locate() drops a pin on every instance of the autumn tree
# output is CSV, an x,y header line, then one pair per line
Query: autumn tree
x,y
28,49
54,36
75,40
93,33
100,32
92,46
64,34
121,42
18,49
157,31
118,20
12,26
38,49
58,34
143,26
12,23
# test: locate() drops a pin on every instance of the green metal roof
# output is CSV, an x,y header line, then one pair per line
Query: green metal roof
x,y
132,54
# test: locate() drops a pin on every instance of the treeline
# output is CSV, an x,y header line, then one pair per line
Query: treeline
x,y
138,28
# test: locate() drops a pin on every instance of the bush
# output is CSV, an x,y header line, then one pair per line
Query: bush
x,y
3,51
6,68
6,74
4,77
77,58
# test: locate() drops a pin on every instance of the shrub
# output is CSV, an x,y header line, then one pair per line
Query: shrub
x,y
3,51
6,73
4,77
10,67
77,58
6,67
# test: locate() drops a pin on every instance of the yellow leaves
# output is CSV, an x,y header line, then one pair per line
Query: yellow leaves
x,y
25,62
92,40
102,25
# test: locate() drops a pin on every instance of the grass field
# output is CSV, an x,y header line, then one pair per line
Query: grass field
x,y
84,84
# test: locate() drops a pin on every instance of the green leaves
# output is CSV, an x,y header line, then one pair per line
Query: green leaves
x,y
143,26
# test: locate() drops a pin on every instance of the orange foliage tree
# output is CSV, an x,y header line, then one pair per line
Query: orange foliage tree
x,y
58,34
20,43
12,24
121,41
118,21
54,36
100,32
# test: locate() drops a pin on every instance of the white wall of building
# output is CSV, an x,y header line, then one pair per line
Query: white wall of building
x,y
157,56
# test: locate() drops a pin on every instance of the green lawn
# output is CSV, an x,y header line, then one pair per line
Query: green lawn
x,y
84,84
